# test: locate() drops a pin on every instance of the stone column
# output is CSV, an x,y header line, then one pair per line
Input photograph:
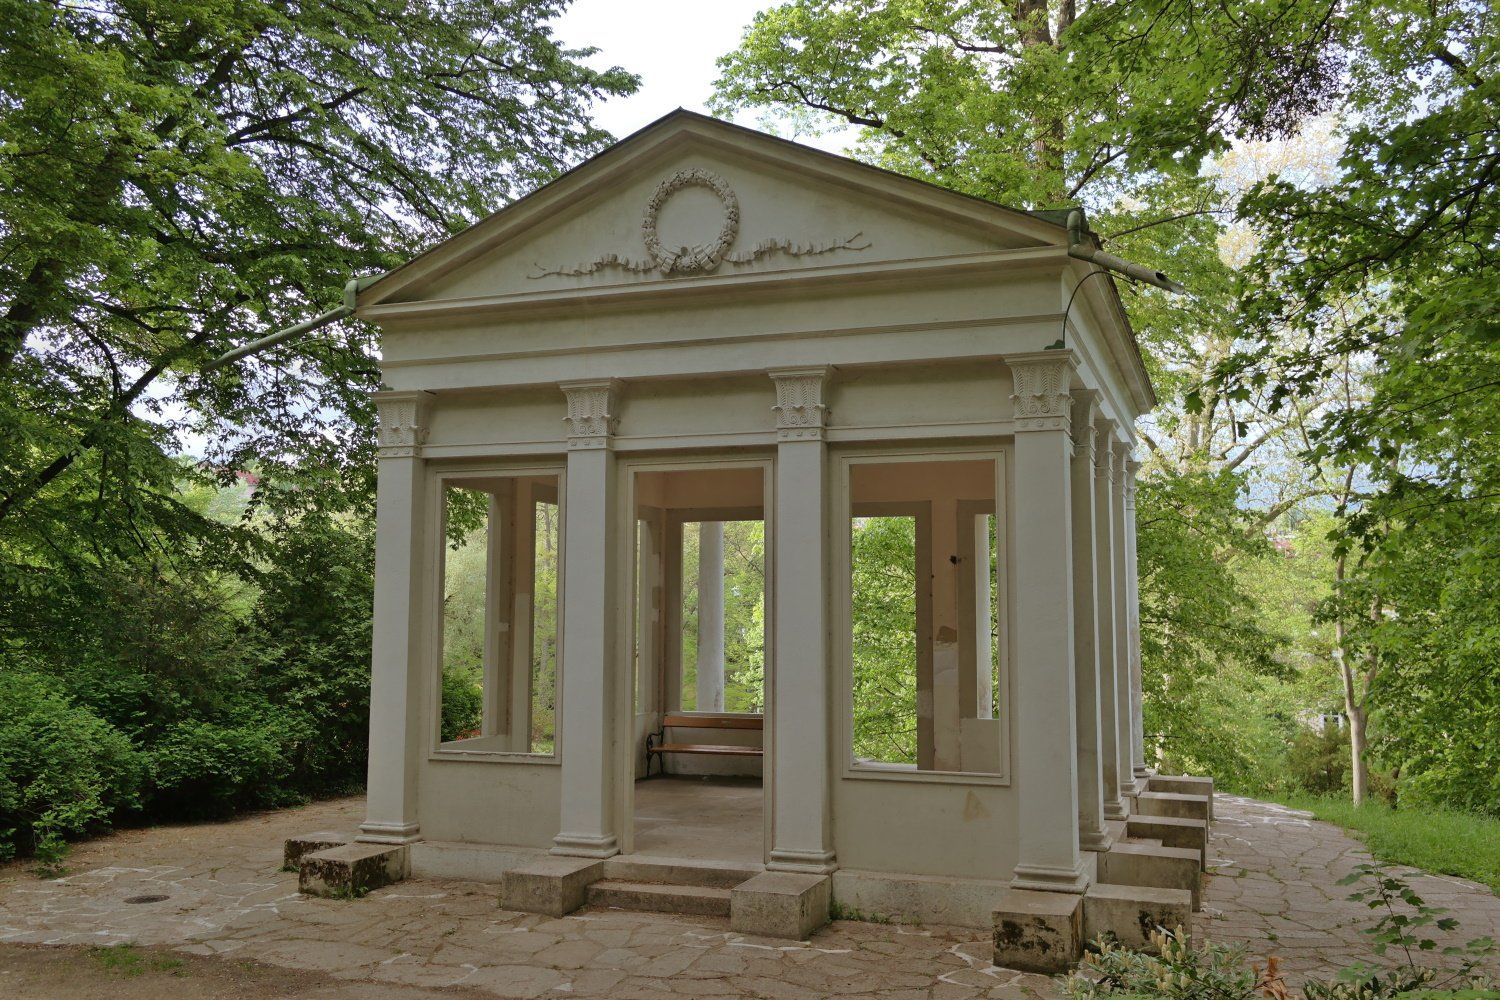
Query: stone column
x,y
1086,676
499,557
801,830
404,639
1045,772
589,625
1124,707
711,616
1111,678
1133,595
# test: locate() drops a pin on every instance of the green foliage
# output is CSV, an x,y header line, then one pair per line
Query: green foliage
x,y
177,179
1209,674
1389,270
744,616
180,178
188,694
310,654
1176,969
884,619
463,702
1319,760
63,771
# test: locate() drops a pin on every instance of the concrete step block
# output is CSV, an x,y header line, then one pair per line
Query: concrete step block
x,y
1173,831
652,897
781,905
551,885
1172,804
304,844
1038,931
680,871
1155,866
1185,784
351,870
1130,913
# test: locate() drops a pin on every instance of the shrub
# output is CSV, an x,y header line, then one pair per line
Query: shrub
x,y
463,703
1177,970
207,769
1319,761
63,771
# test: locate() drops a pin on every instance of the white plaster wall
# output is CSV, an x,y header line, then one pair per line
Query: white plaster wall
x,y
924,827
516,803
775,205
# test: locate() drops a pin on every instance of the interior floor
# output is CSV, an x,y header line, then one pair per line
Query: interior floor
x,y
706,818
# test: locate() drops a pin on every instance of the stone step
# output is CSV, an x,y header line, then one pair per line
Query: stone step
x,y
352,870
1154,866
1186,785
1172,831
1172,804
298,847
680,871
1130,913
655,897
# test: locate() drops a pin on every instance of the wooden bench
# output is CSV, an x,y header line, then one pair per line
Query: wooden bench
x,y
656,743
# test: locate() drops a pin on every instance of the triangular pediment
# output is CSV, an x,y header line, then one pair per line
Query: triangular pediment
x,y
690,197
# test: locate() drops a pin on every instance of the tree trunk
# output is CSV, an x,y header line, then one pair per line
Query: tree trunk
x,y
1359,775
1353,706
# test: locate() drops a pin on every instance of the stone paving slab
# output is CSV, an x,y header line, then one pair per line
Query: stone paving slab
x,y
1271,888
227,896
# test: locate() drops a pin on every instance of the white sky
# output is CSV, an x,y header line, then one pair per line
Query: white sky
x,y
672,46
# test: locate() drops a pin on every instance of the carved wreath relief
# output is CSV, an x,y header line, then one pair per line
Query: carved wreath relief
x,y
699,258
703,257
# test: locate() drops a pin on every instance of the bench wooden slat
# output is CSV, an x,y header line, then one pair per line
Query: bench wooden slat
x,y
705,748
714,722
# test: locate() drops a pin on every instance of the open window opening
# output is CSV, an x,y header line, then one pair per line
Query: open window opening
x,y
699,655
500,628
925,618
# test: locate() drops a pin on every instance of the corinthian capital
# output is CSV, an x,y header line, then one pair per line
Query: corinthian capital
x,y
1042,397
591,412
800,412
402,423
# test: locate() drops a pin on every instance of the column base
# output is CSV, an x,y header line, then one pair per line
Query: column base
x,y
375,832
582,845
1115,810
1043,878
802,862
1095,840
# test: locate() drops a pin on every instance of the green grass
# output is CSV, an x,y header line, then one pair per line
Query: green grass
x,y
126,960
1435,840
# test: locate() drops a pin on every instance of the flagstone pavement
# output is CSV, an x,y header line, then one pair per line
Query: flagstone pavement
x,y
1272,889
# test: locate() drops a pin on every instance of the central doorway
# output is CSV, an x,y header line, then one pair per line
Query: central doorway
x,y
700,661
